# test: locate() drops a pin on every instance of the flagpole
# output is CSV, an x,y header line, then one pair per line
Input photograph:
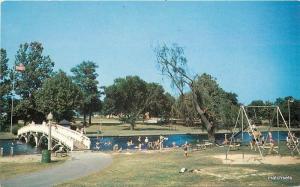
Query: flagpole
x,y
12,99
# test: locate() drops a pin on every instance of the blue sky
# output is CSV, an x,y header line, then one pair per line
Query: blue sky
x,y
253,49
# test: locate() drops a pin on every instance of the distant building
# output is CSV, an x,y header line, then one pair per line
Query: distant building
x,y
65,123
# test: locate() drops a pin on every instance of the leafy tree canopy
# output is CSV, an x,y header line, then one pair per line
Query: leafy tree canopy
x,y
5,88
38,68
60,96
85,77
131,96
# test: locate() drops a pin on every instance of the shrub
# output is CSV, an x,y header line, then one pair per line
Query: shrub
x,y
15,129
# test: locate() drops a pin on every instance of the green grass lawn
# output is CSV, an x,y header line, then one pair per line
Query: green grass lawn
x,y
109,129
162,169
7,135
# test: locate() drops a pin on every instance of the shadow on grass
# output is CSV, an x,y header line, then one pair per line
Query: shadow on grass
x,y
106,124
148,129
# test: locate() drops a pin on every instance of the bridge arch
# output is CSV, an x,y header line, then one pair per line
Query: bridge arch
x,y
23,137
43,137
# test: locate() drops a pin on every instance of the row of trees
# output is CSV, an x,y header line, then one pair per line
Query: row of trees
x,y
40,90
259,114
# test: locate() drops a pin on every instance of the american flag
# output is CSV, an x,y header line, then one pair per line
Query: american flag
x,y
20,67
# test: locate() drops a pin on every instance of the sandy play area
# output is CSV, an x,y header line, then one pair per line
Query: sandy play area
x,y
256,159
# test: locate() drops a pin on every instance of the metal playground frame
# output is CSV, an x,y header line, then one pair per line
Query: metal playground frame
x,y
243,114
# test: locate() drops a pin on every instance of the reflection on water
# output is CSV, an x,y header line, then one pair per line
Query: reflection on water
x,y
107,143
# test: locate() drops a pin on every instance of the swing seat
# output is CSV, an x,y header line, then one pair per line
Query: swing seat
x,y
268,146
234,147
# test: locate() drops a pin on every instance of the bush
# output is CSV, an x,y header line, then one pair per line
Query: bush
x,y
15,129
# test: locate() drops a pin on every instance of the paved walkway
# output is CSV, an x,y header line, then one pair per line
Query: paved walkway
x,y
80,165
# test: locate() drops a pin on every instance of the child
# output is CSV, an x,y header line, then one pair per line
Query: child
x,y
185,148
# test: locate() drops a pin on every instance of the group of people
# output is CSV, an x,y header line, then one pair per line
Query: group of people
x,y
259,140
152,145
102,144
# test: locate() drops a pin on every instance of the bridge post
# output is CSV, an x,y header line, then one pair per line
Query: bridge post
x,y
26,138
11,151
36,140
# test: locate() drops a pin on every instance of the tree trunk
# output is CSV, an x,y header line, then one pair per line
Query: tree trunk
x,y
90,117
209,126
132,126
84,118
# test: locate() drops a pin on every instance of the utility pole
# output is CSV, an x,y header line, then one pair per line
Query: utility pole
x,y
289,109
20,68
12,100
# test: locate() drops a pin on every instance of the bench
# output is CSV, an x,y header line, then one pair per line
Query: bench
x,y
61,152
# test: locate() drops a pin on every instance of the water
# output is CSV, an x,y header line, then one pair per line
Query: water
x,y
20,148
107,143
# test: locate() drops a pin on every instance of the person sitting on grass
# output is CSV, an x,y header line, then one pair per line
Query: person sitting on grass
x,y
60,150
157,144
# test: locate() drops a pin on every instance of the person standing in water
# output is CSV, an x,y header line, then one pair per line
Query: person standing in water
x,y
140,143
146,142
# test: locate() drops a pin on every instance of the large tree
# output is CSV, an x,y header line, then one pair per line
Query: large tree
x,y
131,97
60,96
161,102
85,77
221,107
126,97
173,64
38,67
4,89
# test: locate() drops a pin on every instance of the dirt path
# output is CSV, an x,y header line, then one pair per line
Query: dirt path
x,y
256,159
80,165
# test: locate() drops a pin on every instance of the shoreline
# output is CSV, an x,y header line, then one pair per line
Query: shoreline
x,y
93,135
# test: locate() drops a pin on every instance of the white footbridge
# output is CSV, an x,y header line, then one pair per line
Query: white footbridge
x,y
60,135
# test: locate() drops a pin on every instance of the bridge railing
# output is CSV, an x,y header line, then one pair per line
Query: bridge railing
x,y
45,130
75,135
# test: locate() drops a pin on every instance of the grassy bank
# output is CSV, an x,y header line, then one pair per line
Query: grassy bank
x,y
162,169
23,164
7,135
117,129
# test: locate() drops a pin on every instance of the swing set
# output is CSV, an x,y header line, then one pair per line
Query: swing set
x,y
243,123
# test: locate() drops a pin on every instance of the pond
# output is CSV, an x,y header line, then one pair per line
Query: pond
x,y
106,143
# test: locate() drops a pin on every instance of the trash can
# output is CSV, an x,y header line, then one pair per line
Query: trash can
x,y
46,156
